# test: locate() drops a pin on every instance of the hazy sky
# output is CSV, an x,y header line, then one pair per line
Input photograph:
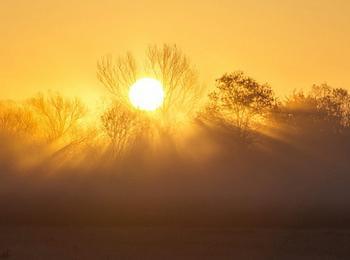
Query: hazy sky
x,y
54,44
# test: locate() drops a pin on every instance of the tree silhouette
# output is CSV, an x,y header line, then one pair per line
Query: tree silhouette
x,y
58,116
121,124
182,89
17,119
117,75
322,109
169,65
240,102
334,103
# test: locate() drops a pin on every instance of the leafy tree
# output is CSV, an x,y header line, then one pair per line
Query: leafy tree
x,y
240,102
334,103
322,109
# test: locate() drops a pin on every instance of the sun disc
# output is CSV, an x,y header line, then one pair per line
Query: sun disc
x,y
147,94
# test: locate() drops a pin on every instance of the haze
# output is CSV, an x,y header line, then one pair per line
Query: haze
x,y
180,129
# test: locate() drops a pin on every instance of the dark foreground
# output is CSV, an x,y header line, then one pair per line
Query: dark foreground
x,y
171,243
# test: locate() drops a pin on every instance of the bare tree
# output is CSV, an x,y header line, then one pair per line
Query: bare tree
x,y
167,64
57,115
121,125
117,75
17,119
240,102
179,78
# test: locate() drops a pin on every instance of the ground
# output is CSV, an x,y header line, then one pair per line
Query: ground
x,y
171,243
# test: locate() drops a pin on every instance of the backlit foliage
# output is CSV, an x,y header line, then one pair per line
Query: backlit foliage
x,y
240,102
321,110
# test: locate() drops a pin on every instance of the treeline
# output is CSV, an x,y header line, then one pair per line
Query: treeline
x,y
235,104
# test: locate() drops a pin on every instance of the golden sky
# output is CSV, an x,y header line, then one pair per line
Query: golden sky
x,y
54,44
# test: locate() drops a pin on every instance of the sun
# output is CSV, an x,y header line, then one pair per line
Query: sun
x,y
147,94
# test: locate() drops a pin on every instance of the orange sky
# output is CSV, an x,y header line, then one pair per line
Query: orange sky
x,y
52,44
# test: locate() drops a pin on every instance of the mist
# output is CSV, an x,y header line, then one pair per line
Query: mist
x,y
209,175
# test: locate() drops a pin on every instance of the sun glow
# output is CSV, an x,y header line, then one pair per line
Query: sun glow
x,y
147,94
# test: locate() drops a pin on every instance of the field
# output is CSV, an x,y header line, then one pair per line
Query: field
x,y
171,243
